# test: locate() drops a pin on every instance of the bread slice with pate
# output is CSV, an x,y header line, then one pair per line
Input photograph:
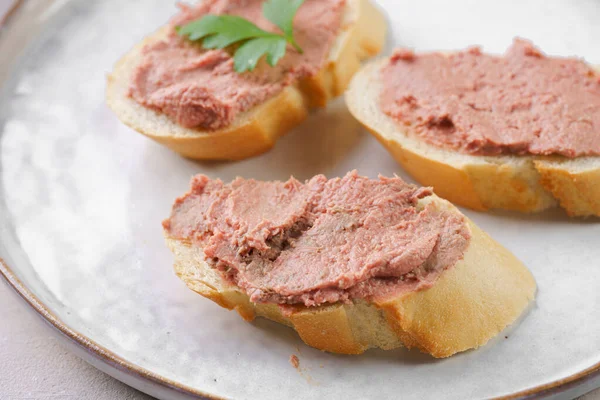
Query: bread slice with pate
x,y
350,263
190,99
519,132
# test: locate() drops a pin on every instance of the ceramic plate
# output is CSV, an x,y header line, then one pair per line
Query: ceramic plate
x,y
82,198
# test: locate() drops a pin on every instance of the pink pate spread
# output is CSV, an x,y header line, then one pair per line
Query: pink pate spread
x,y
323,241
199,88
522,103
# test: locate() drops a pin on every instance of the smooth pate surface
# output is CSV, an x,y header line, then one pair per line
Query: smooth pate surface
x,y
323,241
522,103
199,88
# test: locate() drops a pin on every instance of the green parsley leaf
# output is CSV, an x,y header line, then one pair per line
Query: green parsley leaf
x,y
281,13
221,31
247,56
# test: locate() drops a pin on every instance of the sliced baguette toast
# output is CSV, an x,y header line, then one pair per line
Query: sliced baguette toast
x,y
522,183
467,305
255,131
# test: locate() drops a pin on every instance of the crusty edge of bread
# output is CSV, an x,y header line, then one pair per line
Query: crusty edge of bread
x,y
469,303
522,183
257,130
577,189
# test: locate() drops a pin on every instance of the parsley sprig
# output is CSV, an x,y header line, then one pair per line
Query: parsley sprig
x,y
220,31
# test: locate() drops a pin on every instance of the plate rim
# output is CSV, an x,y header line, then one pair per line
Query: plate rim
x,y
108,357
112,359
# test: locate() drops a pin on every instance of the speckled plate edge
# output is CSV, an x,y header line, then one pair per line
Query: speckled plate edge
x,y
146,381
154,384
115,366
11,10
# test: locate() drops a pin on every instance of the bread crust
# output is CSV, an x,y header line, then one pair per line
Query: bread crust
x,y
576,189
467,305
521,183
257,130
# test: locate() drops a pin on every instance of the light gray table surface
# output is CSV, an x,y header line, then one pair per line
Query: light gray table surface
x,y
34,365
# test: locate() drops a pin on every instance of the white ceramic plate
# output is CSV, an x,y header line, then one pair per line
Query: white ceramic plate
x,y
82,198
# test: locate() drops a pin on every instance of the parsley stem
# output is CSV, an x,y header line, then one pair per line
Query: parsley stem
x,y
296,46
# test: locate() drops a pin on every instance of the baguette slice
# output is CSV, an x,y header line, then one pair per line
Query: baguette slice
x,y
468,304
255,131
522,183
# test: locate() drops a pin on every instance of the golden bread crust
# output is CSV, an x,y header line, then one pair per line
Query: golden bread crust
x,y
578,191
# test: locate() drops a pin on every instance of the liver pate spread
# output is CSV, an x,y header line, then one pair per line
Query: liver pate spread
x,y
199,88
522,103
319,242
